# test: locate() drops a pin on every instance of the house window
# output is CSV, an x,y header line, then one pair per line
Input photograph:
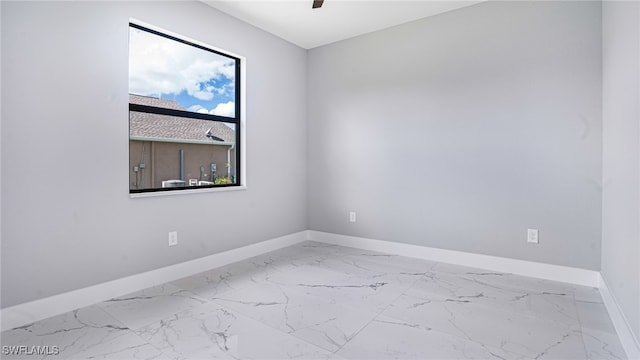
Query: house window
x,y
184,114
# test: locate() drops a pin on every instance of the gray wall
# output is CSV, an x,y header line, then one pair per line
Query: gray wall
x,y
462,130
621,156
68,223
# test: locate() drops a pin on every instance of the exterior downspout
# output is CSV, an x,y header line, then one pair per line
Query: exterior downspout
x,y
153,164
182,164
233,146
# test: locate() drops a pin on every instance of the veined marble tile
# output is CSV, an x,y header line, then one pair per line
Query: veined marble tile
x,y
316,320
373,266
409,264
287,259
65,335
320,248
149,305
602,345
128,346
587,294
211,331
514,333
388,338
311,299
212,283
305,253
505,280
598,333
558,306
336,252
594,315
372,293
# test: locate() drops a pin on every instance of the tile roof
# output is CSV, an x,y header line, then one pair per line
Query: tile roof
x,y
154,101
172,127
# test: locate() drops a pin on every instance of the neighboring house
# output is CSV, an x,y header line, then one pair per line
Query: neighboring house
x,y
156,143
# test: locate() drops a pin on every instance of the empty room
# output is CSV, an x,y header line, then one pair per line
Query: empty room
x,y
312,179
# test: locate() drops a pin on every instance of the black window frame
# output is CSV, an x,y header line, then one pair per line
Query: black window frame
x,y
236,119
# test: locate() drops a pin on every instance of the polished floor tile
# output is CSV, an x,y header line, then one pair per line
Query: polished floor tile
x,y
484,290
211,331
321,301
127,346
212,283
372,293
327,324
64,336
515,333
149,305
599,335
388,338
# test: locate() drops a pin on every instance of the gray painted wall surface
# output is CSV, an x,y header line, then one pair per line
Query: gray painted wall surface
x,y
462,130
621,156
67,223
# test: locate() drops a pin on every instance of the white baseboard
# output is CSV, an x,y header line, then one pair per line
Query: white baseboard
x,y
629,342
520,267
23,314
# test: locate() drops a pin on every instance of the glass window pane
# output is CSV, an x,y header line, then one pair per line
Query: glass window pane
x,y
171,151
180,76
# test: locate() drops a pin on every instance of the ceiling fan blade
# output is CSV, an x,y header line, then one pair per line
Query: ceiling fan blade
x,y
317,4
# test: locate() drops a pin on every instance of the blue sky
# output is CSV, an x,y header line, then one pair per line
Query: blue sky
x,y
199,80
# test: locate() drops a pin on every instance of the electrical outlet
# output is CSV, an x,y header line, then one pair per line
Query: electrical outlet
x,y
173,238
352,216
532,236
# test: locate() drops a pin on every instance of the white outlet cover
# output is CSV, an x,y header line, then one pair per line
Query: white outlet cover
x,y
173,238
532,236
352,216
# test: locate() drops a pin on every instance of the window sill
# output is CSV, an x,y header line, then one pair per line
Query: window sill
x,y
187,191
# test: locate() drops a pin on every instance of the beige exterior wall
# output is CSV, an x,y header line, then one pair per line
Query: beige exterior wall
x,y
162,162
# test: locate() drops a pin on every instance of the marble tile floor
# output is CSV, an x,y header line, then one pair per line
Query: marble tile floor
x,y
320,301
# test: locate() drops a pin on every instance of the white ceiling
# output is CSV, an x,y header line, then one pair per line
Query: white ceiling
x,y
296,22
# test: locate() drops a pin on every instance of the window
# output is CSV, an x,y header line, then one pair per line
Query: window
x,y
184,114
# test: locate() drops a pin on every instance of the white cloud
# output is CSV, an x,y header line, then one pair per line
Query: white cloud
x,y
157,64
198,108
227,109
